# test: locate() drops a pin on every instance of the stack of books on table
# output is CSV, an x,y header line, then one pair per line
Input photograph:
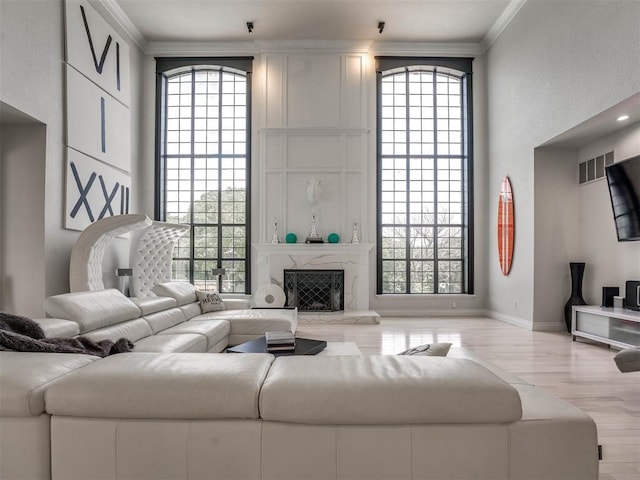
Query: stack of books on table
x,y
280,341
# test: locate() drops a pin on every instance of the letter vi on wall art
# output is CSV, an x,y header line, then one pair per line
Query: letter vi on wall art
x,y
98,183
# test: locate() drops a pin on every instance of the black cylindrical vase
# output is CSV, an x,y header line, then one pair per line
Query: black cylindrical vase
x,y
577,273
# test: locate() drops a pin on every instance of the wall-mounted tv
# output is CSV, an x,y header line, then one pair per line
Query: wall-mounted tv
x,y
623,179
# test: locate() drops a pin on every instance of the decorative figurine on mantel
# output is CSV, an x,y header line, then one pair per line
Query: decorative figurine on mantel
x,y
355,238
274,237
313,190
313,233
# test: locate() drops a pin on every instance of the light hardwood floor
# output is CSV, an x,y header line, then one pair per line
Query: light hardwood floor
x,y
583,374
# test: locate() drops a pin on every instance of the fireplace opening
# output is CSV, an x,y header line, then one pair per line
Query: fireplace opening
x,y
315,290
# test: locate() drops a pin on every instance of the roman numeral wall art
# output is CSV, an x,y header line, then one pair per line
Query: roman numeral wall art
x,y
95,192
98,120
96,50
97,124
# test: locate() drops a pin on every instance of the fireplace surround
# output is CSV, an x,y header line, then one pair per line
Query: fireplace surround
x,y
314,290
273,259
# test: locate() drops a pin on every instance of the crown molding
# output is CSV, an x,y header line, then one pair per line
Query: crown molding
x,y
451,49
255,47
307,46
123,20
201,48
113,9
503,20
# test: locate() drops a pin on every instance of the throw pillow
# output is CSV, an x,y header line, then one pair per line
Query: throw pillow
x,y
430,349
628,360
210,301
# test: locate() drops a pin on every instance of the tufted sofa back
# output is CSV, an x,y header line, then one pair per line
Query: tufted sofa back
x,y
85,267
151,256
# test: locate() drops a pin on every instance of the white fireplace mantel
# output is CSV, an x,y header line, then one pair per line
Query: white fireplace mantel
x,y
353,258
312,248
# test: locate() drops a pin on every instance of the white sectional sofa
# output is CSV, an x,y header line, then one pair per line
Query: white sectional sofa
x,y
171,322
253,416
168,410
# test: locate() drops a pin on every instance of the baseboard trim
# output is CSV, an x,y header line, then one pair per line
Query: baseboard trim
x,y
549,327
457,312
474,312
518,322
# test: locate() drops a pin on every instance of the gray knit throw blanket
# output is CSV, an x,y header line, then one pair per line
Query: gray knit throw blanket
x,y
21,334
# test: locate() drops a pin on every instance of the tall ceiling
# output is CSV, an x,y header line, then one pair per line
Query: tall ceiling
x,y
451,25
446,21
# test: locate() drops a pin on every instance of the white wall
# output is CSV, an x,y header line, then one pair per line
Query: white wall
x,y
23,252
557,234
32,81
554,66
2,224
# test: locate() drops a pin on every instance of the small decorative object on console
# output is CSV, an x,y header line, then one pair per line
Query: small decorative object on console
x,y
333,238
618,302
608,294
632,298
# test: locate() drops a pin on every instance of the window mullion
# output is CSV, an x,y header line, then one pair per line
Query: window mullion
x,y
219,219
436,273
464,191
162,204
192,260
407,185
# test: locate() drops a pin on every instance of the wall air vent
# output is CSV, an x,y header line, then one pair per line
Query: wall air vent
x,y
593,169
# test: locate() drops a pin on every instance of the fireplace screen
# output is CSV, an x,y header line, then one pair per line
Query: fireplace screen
x,y
315,290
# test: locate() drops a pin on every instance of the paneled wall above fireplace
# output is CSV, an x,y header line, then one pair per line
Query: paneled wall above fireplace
x,y
314,126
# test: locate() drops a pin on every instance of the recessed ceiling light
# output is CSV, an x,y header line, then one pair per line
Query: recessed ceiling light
x,y
622,118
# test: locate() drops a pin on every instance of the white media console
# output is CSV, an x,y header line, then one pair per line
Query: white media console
x,y
617,327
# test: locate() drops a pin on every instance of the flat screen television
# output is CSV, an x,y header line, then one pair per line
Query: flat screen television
x,y
623,179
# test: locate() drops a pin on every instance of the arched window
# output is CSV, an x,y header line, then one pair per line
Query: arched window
x,y
425,239
203,167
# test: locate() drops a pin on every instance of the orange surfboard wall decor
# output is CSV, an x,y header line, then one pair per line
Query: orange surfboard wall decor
x,y
506,226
